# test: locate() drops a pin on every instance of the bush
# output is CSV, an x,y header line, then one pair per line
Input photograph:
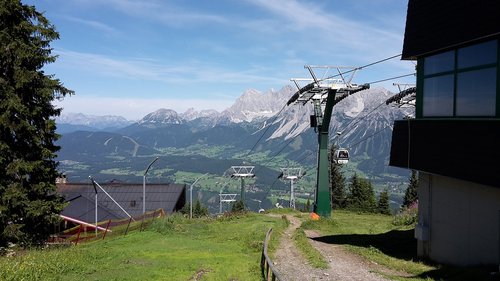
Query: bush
x,y
238,207
407,216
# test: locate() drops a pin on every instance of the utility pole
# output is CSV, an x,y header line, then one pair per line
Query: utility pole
x,y
144,186
324,94
292,174
242,172
191,195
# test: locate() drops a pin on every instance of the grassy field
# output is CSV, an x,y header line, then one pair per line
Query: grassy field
x,y
228,248
171,249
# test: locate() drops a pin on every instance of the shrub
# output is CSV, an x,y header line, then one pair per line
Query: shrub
x,y
407,216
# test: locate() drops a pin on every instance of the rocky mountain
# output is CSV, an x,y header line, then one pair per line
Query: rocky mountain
x,y
257,123
160,118
254,105
69,122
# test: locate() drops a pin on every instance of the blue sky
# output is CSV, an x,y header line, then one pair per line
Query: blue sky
x,y
131,57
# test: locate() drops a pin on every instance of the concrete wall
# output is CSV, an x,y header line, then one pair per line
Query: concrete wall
x,y
459,221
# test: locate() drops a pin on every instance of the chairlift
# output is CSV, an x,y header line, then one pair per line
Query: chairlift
x,y
341,156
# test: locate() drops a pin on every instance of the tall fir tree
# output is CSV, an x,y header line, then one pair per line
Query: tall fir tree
x,y
411,194
28,202
337,183
383,206
361,196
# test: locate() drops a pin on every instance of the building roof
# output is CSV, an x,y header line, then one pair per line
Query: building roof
x,y
81,198
433,26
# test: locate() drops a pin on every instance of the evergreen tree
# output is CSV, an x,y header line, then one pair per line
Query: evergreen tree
x,y
383,203
199,210
28,202
238,207
411,191
337,183
308,205
361,196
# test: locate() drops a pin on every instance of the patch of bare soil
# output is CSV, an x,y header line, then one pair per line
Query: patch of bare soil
x,y
343,265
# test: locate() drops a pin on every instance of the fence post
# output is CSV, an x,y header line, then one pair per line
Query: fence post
x,y
128,225
78,234
106,231
142,221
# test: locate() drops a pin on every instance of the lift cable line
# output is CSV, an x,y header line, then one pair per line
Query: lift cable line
x,y
370,136
405,96
392,78
364,66
265,131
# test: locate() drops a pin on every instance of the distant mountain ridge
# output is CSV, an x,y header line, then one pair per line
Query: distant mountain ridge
x,y
251,106
363,119
79,121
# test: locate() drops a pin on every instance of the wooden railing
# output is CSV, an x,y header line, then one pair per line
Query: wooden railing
x,y
269,272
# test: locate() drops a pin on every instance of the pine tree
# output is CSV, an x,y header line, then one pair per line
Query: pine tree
x,y
361,196
337,183
383,203
411,191
238,207
308,206
28,202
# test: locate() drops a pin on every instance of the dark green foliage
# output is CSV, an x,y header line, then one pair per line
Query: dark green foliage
x,y
411,191
383,203
28,204
337,183
238,207
361,196
199,210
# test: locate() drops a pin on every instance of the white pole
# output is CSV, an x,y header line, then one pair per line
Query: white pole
x,y
96,214
144,186
191,196
144,194
112,199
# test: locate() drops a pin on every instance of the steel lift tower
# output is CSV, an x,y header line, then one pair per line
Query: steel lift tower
x,y
324,94
242,172
291,174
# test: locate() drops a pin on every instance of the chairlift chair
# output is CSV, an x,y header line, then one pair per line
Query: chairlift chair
x,y
341,156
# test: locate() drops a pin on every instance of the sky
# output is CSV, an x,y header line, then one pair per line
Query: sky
x,y
132,57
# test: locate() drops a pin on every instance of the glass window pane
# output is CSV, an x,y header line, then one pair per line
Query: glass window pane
x,y
438,96
479,54
439,63
476,92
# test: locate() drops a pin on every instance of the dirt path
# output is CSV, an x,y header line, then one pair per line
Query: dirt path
x,y
343,265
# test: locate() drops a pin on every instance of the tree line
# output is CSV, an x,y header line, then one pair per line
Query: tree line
x,y
359,194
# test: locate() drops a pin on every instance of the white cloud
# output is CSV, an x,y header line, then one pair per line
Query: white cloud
x,y
94,24
163,11
148,69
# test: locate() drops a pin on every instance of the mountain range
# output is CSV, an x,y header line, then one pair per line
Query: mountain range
x,y
258,129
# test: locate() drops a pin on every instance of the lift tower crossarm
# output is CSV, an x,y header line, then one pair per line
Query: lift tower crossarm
x,y
242,172
291,174
324,94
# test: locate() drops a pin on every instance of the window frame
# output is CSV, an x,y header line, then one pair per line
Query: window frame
x,y
455,71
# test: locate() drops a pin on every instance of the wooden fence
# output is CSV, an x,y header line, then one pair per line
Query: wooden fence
x,y
269,272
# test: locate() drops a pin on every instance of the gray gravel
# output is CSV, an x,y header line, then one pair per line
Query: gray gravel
x,y
343,265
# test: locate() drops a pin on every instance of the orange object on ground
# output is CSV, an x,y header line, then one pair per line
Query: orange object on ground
x,y
314,216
